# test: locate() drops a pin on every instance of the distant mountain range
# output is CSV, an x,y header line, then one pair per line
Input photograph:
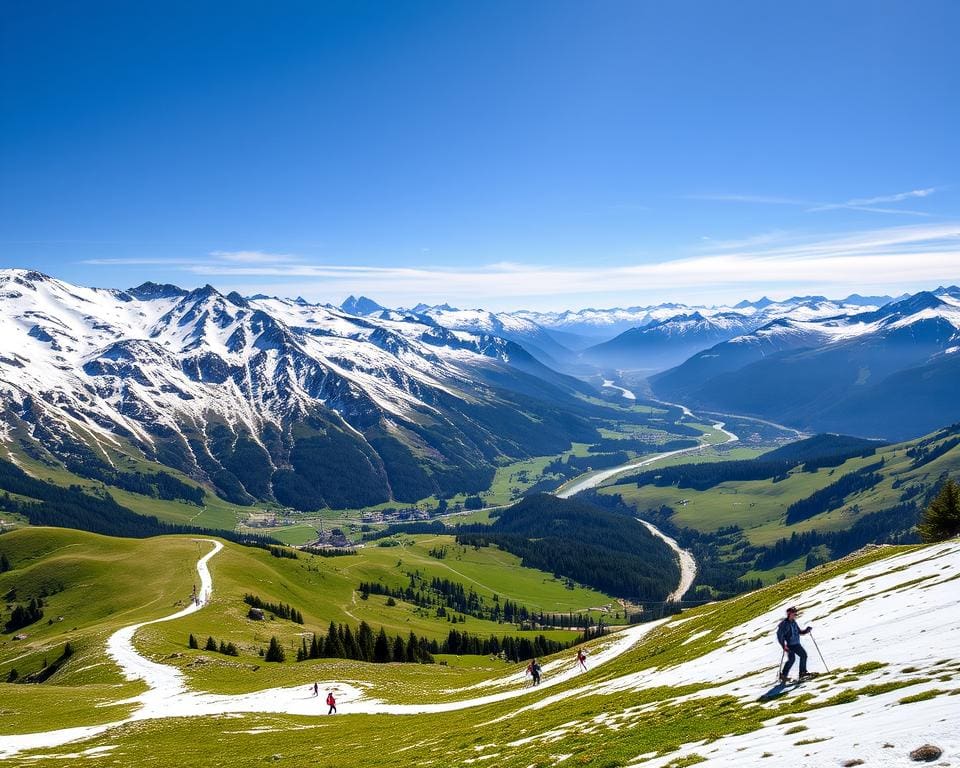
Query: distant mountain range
x,y
269,398
892,372
313,405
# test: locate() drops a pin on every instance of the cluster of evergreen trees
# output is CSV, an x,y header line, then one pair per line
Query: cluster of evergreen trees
x,y
832,496
159,485
341,642
227,649
72,507
925,452
892,526
443,594
364,644
701,477
328,551
580,541
25,615
280,610
290,554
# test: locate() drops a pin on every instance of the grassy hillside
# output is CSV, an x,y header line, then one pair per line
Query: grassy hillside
x,y
882,492
676,694
98,584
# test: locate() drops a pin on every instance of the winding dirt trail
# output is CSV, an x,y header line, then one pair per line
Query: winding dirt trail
x,y
168,696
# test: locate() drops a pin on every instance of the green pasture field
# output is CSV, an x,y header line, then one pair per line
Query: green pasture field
x,y
101,583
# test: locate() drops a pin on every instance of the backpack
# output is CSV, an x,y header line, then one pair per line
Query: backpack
x,y
782,632
330,700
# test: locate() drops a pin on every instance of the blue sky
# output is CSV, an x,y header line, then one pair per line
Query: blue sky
x,y
506,155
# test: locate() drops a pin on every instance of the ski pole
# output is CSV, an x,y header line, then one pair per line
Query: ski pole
x,y
780,665
818,651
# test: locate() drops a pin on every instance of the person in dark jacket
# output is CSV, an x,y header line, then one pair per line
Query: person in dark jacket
x,y
788,635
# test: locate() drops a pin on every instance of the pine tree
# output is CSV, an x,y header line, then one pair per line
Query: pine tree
x,y
4,563
365,642
211,644
350,646
381,648
275,651
333,646
399,649
941,519
192,642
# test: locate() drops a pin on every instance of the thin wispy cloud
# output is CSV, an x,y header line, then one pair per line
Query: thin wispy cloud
x,y
893,258
867,204
254,257
887,257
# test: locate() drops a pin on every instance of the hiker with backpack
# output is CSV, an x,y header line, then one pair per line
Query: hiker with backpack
x,y
788,636
332,703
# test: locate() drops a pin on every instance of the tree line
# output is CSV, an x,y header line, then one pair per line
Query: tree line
x,y
363,644
72,507
158,485
280,610
445,594
832,496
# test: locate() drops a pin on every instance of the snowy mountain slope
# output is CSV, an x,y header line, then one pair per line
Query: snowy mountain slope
x,y
703,688
269,397
830,373
668,342
532,337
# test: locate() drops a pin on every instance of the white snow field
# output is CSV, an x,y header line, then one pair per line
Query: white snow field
x,y
902,611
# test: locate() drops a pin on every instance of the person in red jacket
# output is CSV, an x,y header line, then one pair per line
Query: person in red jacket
x,y
332,703
582,659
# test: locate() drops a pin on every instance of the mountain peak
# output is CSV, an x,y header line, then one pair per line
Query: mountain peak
x,y
150,290
760,303
362,305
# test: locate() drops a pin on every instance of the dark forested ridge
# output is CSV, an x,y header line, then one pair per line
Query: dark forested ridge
x,y
823,448
581,541
814,453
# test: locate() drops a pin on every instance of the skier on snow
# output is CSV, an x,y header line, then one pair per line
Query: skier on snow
x,y
788,636
582,659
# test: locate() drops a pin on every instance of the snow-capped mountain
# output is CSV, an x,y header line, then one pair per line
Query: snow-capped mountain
x,y
537,340
889,372
360,306
665,343
266,397
603,324
668,342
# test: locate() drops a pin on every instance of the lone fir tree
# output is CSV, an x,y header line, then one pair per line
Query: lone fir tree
x,y
941,519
